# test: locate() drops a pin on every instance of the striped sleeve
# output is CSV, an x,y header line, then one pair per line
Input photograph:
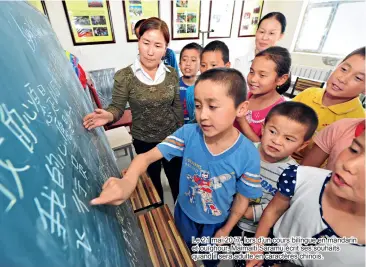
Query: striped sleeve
x,y
249,184
173,145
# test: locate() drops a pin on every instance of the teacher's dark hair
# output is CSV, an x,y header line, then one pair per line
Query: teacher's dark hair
x,y
278,16
154,23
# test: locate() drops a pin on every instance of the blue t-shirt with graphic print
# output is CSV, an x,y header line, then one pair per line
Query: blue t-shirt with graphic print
x,y
208,183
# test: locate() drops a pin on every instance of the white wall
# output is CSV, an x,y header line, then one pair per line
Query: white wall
x,y
294,10
122,53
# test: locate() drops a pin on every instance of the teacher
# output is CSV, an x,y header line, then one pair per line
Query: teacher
x,y
271,29
152,90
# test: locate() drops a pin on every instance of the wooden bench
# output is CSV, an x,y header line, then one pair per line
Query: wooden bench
x,y
302,84
165,244
145,195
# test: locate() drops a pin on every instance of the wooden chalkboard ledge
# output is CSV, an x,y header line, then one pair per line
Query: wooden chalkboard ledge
x,y
145,195
164,242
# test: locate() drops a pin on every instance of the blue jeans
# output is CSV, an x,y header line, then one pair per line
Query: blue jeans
x,y
189,229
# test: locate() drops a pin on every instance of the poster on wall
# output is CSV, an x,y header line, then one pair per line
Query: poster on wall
x,y
134,10
251,12
186,16
39,5
220,19
89,21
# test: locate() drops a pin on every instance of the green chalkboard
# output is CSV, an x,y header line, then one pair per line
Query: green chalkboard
x,y
50,166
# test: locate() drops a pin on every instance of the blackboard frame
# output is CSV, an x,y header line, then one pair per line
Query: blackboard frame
x,y
89,43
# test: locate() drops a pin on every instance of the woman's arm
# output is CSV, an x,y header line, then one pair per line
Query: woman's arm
x,y
120,95
275,209
315,157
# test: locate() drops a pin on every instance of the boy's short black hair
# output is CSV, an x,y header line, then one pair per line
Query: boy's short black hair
x,y
298,112
217,46
231,78
190,46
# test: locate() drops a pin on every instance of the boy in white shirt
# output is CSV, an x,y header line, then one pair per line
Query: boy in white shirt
x,y
288,127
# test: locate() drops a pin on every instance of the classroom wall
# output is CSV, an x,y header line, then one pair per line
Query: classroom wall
x,y
122,53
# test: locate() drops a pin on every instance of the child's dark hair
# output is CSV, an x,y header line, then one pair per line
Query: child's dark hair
x,y
278,16
217,46
232,79
281,56
138,24
359,52
298,112
190,46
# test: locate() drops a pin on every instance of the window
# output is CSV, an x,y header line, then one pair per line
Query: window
x,y
332,27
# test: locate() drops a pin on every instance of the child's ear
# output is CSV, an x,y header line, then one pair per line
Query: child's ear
x,y
242,109
282,79
228,64
305,144
262,130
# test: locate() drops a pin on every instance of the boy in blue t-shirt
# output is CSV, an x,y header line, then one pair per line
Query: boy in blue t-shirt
x,y
189,63
220,170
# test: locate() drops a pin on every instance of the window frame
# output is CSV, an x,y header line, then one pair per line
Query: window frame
x,y
311,5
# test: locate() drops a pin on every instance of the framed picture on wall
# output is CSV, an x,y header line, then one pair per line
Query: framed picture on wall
x,y
89,21
39,5
251,12
220,19
134,10
186,18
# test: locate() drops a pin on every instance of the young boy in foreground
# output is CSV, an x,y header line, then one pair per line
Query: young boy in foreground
x,y
219,163
287,128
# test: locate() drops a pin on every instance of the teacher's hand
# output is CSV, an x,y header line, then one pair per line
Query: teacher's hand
x,y
98,118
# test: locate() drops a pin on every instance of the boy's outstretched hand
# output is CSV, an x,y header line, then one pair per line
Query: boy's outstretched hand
x,y
115,191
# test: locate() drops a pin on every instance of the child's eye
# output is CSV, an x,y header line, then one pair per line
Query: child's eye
x,y
262,76
214,66
146,43
272,131
197,106
358,79
343,69
213,107
289,139
352,150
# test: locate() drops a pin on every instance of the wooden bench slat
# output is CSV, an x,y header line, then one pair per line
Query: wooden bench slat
x,y
165,244
158,246
143,225
174,256
145,194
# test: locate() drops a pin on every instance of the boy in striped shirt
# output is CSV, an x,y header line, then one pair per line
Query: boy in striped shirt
x,y
220,170
288,128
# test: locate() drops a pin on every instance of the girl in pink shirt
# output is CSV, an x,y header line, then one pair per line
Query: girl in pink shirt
x,y
268,79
